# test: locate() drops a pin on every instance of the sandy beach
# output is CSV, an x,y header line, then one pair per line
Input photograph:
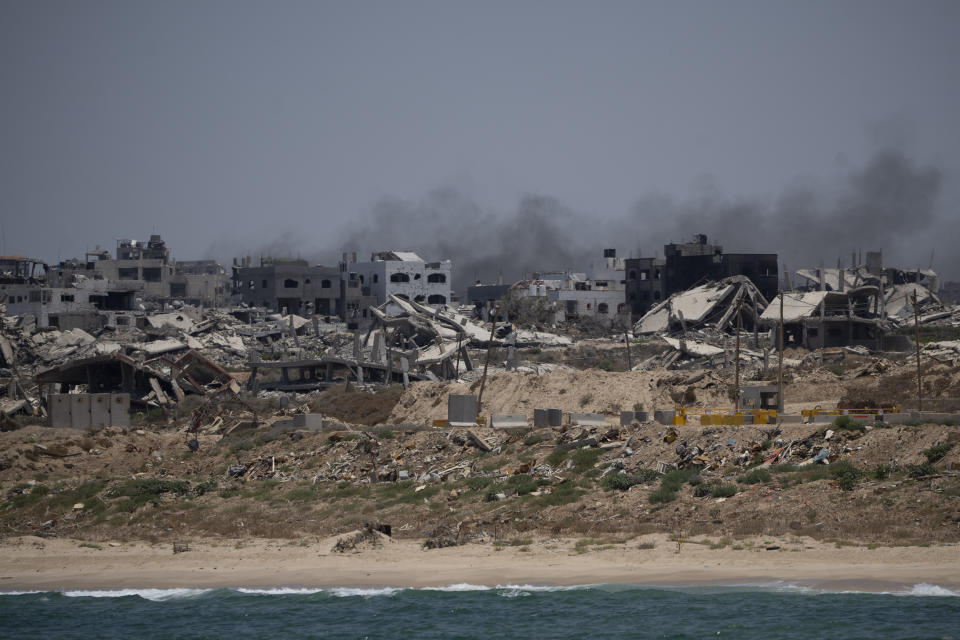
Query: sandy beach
x,y
29,563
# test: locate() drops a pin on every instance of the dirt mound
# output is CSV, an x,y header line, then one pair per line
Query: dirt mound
x,y
579,391
356,407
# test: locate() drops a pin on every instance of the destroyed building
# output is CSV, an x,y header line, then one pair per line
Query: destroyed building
x,y
819,319
287,285
596,293
144,270
712,305
27,289
683,266
857,305
600,294
400,273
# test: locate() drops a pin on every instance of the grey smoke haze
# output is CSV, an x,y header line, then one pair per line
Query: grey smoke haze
x,y
545,130
890,204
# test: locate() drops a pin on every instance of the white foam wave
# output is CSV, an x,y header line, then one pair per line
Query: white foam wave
x,y
509,590
924,589
156,595
460,586
544,587
20,593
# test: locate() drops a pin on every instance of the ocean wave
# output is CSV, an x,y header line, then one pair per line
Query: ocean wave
x,y
503,590
921,589
155,595
924,589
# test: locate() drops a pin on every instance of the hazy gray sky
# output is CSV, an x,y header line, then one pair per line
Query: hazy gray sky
x,y
239,126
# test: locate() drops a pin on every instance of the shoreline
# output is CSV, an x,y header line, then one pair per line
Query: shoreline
x,y
35,564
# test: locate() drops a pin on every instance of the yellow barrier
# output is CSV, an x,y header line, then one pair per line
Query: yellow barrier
x,y
810,413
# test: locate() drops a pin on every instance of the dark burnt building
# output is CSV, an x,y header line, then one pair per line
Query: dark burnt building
x,y
652,280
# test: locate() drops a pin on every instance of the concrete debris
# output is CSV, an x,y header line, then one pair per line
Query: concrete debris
x,y
712,305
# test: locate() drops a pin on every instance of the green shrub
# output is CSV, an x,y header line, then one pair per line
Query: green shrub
x,y
936,452
881,472
675,479
28,498
921,470
845,475
243,445
723,491
662,495
522,483
140,492
561,494
150,487
383,433
556,458
695,480
619,481
842,423
478,483
755,476
208,486
647,475
701,490
532,440
784,468
584,459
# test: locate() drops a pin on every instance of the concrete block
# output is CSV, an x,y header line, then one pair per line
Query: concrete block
x,y
120,409
554,417
79,411
308,421
99,410
588,419
540,418
629,417
663,417
58,405
509,421
462,409
931,416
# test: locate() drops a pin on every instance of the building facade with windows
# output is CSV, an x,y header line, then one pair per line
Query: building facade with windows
x,y
652,280
400,273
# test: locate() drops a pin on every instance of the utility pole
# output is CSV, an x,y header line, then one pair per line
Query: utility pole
x,y
780,363
736,359
626,339
483,381
916,339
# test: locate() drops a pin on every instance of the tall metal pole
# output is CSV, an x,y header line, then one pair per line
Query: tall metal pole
x,y
916,339
736,358
483,381
780,363
626,338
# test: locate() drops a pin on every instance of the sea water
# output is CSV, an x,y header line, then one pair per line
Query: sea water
x,y
774,610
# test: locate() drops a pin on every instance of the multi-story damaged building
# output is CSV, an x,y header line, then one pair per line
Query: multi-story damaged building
x,y
28,288
295,286
651,280
855,306
598,294
400,273
287,283
146,270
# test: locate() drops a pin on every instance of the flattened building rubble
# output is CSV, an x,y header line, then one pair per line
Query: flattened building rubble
x,y
712,305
